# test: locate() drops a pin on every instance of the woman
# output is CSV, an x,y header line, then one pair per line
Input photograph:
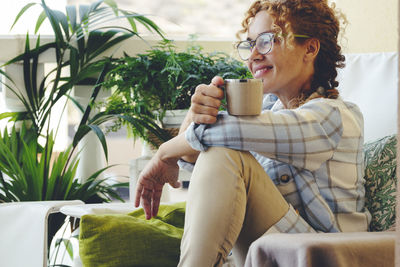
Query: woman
x,y
297,167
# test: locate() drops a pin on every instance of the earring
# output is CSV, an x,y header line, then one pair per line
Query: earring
x,y
321,91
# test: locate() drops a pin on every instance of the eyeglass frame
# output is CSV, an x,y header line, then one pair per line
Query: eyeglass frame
x,y
253,43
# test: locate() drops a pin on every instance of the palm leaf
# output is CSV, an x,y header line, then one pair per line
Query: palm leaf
x,y
85,129
34,72
149,24
95,5
71,15
35,181
83,13
63,21
21,12
94,94
40,20
27,74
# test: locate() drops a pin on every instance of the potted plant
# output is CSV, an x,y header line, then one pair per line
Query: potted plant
x,y
29,170
148,85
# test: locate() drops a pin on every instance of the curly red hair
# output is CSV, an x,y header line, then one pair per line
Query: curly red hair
x,y
314,18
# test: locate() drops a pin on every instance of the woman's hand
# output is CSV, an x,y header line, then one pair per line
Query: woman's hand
x,y
151,181
206,101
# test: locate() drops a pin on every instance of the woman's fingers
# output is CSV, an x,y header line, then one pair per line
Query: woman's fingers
x,y
211,90
146,202
138,194
175,184
201,109
203,119
149,197
206,102
144,194
200,98
204,114
217,81
151,182
155,201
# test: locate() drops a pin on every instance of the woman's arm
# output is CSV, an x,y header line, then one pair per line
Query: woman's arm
x,y
176,148
204,108
161,169
304,137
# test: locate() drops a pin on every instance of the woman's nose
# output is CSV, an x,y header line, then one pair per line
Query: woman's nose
x,y
254,55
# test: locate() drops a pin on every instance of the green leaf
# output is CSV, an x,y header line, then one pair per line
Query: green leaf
x,y
21,12
95,5
71,15
27,74
74,62
77,104
5,187
34,73
63,21
80,133
85,129
94,94
83,13
103,45
69,248
149,24
31,53
96,39
111,3
55,24
11,115
96,129
40,20
130,20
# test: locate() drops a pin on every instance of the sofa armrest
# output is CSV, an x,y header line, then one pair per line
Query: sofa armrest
x,y
77,211
23,231
323,249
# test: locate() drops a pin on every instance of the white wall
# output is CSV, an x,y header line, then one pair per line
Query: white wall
x,y
9,10
372,25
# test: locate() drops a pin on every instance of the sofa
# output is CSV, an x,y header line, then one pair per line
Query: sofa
x,y
369,80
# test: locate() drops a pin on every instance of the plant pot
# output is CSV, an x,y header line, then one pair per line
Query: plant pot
x,y
170,123
14,70
174,118
83,92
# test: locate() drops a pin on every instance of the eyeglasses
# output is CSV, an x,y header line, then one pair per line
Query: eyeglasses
x,y
263,43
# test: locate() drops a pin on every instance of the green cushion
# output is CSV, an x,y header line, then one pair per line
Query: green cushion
x,y
380,182
131,240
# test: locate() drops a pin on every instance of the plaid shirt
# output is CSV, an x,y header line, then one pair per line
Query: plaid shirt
x,y
313,154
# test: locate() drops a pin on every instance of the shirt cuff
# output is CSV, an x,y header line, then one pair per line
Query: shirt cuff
x,y
185,165
291,222
194,134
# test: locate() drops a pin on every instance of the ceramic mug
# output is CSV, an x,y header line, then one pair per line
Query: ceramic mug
x,y
244,96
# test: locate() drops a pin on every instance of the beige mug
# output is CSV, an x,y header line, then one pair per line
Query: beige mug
x,y
244,96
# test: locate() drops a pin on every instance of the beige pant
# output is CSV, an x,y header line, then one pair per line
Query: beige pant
x,y
231,203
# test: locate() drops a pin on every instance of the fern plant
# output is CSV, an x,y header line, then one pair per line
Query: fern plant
x,y
147,85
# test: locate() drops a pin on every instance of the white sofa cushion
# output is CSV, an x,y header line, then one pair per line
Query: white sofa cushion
x,y
370,81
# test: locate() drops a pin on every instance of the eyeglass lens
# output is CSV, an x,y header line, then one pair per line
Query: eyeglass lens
x,y
263,44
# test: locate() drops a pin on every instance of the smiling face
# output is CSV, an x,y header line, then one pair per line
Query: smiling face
x,y
285,70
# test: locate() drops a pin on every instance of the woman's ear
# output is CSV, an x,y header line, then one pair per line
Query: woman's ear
x,y
312,49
